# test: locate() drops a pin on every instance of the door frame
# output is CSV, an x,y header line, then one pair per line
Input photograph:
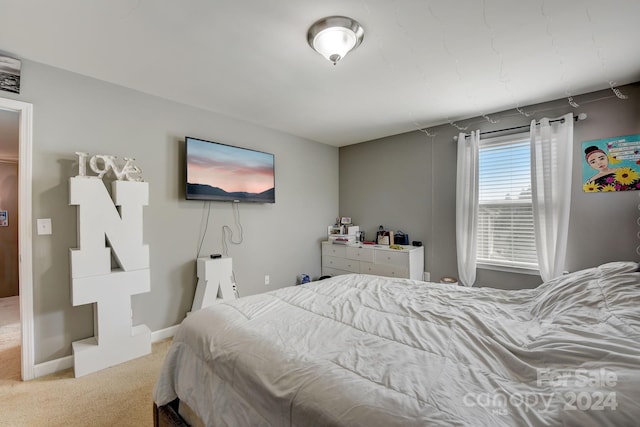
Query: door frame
x,y
25,257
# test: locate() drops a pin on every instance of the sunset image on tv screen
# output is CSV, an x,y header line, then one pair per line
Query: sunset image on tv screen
x,y
223,172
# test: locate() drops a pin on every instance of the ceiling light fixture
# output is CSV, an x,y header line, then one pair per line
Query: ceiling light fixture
x,y
335,36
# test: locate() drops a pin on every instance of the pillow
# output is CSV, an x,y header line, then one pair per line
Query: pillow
x,y
590,295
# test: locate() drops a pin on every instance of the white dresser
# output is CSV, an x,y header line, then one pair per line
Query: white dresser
x,y
378,260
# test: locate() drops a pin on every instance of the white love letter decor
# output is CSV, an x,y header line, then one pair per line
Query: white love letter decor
x,y
103,163
118,218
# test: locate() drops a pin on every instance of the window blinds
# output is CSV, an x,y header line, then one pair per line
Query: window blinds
x,y
505,216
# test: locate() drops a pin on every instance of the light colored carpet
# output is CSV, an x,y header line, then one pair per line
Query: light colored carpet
x,y
9,339
9,310
9,354
117,396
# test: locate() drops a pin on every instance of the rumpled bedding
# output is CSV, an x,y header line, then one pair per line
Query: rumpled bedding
x,y
359,350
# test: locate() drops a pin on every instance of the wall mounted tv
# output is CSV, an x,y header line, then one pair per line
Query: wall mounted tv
x,y
221,172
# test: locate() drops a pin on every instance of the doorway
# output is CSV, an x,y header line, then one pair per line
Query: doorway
x,y
21,115
9,278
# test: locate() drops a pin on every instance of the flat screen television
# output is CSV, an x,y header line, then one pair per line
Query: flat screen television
x,y
222,172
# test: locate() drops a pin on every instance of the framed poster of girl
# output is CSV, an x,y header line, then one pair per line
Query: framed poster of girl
x,y
611,164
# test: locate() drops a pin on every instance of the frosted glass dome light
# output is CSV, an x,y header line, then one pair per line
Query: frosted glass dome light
x,y
335,36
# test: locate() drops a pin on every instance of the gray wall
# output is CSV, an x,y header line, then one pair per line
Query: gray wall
x,y
407,182
74,113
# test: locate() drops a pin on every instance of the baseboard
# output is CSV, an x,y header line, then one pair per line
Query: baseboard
x,y
163,334
66,362
52,366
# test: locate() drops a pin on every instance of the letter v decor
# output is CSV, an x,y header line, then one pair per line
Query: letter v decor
x,y
118,217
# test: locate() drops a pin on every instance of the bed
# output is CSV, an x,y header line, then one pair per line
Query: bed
x,y
359,350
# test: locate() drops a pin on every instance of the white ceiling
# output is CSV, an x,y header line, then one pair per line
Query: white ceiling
x,y
422,63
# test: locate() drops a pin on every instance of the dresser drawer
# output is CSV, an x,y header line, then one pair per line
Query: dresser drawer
x,y
360,254
368,268
392,257
341,264
389,270
376,260
329,249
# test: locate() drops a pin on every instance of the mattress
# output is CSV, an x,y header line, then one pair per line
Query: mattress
x,y
359,350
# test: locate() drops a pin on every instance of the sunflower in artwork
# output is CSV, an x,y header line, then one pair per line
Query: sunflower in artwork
x,y
590,187
626,176
608,187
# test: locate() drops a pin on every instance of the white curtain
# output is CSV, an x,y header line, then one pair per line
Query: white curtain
x,y
467,206
551,162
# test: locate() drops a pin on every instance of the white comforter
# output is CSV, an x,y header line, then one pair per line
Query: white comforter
x,y
360,350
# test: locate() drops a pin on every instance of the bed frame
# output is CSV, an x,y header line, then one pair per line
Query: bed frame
x,y
167,415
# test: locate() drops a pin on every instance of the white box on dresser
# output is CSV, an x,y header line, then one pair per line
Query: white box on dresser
x,y
379,260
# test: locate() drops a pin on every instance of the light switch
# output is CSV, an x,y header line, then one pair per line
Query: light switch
x,y
44,226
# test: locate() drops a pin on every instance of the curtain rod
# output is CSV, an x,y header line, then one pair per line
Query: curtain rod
x,y
581,116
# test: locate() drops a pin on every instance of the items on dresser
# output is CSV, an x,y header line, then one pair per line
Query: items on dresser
x,y
343,234
343,229
335,229
384,237
342,239
379,260
388,237
345,220
400,238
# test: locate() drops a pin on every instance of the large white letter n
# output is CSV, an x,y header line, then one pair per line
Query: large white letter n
x,y
93,280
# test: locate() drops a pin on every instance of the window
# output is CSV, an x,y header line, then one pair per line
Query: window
x,y
506,237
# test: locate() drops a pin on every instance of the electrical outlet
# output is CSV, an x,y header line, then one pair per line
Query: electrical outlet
x,y
267,280
426,276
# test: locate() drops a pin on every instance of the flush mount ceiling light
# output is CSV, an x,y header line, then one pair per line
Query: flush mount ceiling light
x,y
335,36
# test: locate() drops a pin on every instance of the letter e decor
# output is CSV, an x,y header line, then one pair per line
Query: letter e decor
x,y
116,219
